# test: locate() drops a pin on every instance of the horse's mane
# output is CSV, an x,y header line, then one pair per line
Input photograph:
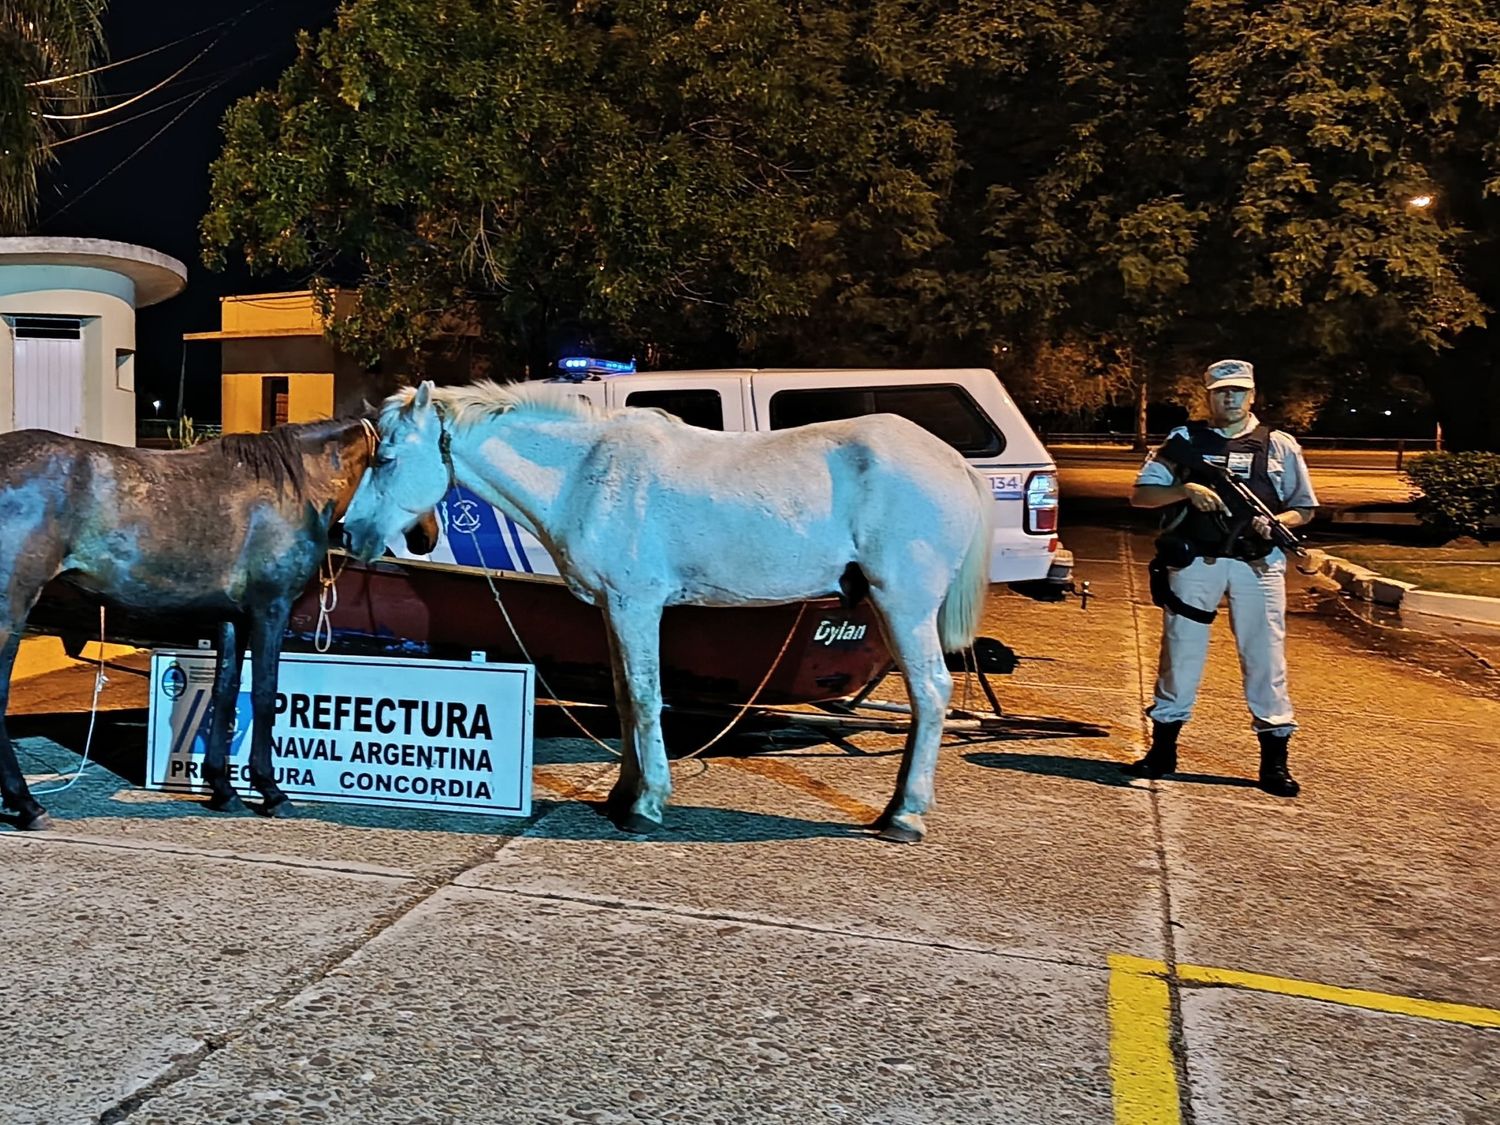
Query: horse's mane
x,y
479,402
275,456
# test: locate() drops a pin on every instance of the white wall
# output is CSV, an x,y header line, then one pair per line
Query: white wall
x,y
109,326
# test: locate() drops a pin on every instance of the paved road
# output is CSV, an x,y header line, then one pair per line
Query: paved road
x,y
1064,947
1095,479
1364,460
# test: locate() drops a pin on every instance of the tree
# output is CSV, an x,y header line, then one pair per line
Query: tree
x,y
1083,232
632,171
1320,124
46,48
1135,188
1228,177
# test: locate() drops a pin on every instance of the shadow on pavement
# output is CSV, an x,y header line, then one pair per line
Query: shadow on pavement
x,y
112,786
1100,771
694,824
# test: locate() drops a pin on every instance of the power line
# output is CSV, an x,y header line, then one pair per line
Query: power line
x,y
138,150
118,62
142,94
221,77
144,54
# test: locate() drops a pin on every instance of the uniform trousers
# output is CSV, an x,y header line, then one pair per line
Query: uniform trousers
x,y
1257,616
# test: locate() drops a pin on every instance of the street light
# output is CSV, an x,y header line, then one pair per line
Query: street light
x,y
1420,202
156,406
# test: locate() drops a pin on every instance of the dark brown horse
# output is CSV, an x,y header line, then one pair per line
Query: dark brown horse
x,y
232,530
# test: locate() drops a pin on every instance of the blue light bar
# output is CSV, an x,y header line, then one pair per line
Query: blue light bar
x,y
588,365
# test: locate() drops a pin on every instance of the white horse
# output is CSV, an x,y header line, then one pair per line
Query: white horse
x,y
642,511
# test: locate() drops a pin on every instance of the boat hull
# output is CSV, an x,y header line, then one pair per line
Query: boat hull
x,y
813,651
712,655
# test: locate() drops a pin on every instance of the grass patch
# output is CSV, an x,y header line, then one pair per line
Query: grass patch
x,y
1455,570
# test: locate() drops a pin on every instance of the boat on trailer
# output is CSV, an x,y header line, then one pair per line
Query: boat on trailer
x,y
811,664
714,660
805,652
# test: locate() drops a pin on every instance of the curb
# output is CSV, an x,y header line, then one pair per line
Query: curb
x,y
1364,583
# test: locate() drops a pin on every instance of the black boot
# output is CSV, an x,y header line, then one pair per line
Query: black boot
x,y
1161,759
1273,776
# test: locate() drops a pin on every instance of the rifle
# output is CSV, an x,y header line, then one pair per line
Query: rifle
x,y
1244,506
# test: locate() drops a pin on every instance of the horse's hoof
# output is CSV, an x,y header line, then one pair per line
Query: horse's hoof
x,y
637,824
900,829
279,809
229,804
41,822
900,834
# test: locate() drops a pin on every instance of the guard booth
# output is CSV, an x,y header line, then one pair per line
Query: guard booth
x,y
67,332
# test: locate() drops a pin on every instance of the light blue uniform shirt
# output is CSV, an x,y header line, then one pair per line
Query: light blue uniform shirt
x,y
1284,462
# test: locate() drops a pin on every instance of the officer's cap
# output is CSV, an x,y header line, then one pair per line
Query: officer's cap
x,y
1230,373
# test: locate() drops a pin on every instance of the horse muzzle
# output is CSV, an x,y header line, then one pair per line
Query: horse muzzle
x,y
361,541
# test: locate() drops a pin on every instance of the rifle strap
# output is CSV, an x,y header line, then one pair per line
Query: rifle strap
x,y
1163,595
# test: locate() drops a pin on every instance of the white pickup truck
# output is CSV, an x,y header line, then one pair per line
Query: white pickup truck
x,y
966,407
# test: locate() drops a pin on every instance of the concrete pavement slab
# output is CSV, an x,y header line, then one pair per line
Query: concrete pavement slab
x,y
1382,874
121,965
1088,652
1419,773
478,1007
1388,906
1273,1060
69,684
1016,860
41,655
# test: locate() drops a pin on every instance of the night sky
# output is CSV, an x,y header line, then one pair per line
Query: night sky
x,y
157,197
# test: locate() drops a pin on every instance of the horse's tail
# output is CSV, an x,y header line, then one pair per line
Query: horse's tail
x,y
963,605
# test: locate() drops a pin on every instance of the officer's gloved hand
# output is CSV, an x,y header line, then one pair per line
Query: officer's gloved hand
x,y
1204,498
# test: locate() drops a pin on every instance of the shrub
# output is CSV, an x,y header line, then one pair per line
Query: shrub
x,y
1459,492
185,434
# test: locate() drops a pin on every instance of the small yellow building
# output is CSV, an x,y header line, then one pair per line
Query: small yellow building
x,y
279,364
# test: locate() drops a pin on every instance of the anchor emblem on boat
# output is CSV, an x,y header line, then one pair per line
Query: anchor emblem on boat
x,y
463,515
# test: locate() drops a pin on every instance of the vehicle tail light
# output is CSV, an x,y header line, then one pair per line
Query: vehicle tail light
x,y
1041,503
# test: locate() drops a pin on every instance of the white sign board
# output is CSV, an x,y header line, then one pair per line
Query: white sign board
x,y
426,734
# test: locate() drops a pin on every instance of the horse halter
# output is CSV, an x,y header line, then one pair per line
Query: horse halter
x,y
445,447
328,574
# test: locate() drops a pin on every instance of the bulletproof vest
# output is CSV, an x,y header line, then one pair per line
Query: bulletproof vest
x,y
1247,456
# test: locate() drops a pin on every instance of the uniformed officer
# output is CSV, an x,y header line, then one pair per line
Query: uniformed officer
x,y
1271,464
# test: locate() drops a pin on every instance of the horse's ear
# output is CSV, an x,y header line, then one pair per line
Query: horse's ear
x,y
423,398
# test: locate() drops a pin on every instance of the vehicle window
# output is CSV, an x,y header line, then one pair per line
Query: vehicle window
x,y
696,407
942,409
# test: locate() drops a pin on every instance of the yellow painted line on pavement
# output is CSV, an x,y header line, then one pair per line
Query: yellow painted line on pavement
x,y
1440,1010
1142,1069
1142,1073
789,775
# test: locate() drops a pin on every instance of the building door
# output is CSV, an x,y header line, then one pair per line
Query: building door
x,y
49,373
275,401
